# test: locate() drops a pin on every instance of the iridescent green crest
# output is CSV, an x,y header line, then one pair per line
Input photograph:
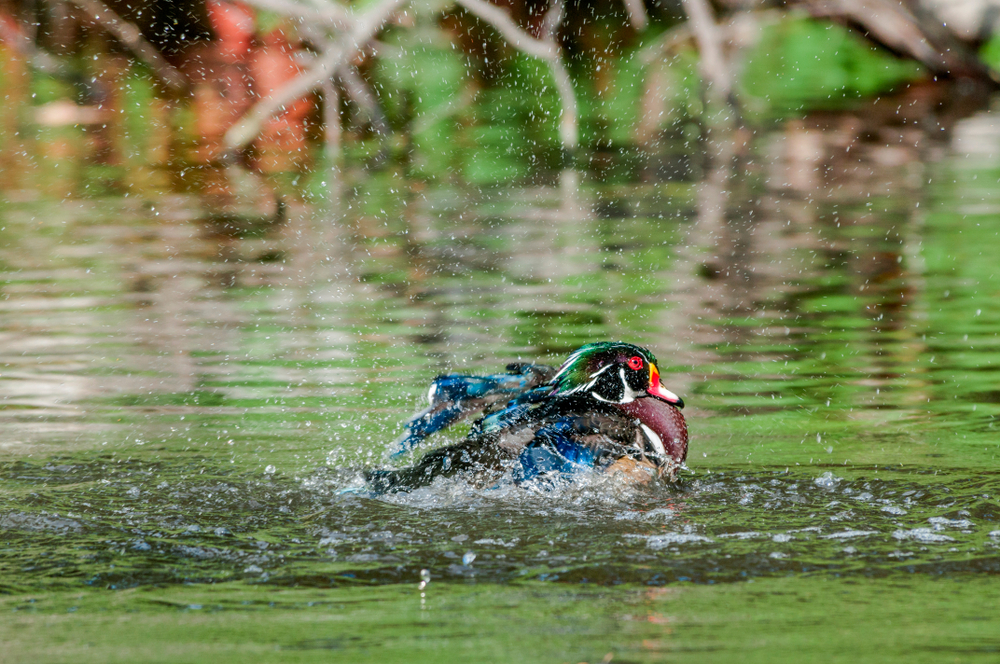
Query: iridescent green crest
x,y
586,363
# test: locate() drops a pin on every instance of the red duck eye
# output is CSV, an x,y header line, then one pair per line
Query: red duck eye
x,y
635,363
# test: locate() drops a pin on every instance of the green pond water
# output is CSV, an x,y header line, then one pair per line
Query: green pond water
x,y
179,408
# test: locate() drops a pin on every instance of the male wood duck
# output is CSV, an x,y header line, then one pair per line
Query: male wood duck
x,y
603,410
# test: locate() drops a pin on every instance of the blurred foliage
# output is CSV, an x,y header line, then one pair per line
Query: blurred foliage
x,y
462,104
802,64
515,124
990,52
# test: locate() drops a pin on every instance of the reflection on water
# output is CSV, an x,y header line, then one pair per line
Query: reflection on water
x,y
181,403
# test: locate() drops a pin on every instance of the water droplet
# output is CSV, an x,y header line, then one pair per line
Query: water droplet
x,y
425,578
827,481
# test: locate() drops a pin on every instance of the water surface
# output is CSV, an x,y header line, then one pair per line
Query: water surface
x,y
180,407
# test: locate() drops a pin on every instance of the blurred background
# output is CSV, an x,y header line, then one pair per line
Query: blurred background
x,y
154,96
238,240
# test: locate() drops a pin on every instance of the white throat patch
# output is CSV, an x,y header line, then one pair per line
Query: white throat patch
x,y
654,439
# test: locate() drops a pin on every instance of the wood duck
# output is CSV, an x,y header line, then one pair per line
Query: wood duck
x,y
603,410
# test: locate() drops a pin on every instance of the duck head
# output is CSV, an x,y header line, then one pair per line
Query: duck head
x,y
612,372
626,376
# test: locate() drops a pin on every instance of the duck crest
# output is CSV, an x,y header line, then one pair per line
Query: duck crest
x,y
586,365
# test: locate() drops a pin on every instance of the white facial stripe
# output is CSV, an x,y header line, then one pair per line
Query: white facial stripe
x,y
601,370
600,398
594,378
654,439
430,394
628,394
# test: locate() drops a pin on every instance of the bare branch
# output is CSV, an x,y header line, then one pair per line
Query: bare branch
x,y
364,29
130,36
907,32
552,20
670,40
636,14
331,122
358,90
706,32
545,49
568,130
509,30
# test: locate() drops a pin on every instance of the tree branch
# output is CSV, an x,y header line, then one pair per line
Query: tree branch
x,y
636,14
130,36
907,32
331,122
706,33
546,49
358,90
552,20
504,24
364,28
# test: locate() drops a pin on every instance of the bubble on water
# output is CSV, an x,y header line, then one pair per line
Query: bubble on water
x,y
925,535
468,558
663,513
827,481
669,539
500,542
752,534
849,534
270,470
940,523
425,578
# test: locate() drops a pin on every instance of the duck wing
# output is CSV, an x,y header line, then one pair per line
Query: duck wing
x,y
455,397
532,437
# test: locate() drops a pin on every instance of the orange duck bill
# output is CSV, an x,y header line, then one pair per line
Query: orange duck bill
x,y
657,390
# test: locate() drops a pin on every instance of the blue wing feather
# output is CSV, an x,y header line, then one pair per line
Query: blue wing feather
x,y
554,452
454,397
